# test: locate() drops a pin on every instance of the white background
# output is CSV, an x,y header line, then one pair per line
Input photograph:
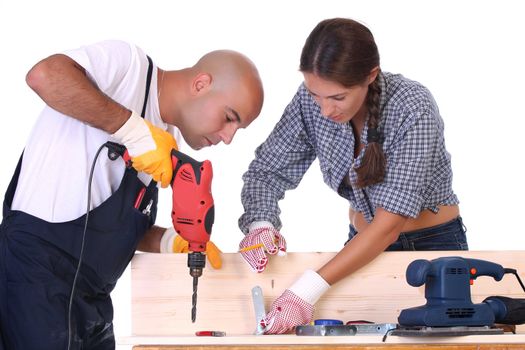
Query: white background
x,y
470,54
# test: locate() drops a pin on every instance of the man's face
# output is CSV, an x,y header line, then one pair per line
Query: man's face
x,y
215,117
338,103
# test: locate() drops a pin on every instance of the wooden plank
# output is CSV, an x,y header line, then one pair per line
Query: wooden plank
x,y
162,288
340,347
313,347
293,340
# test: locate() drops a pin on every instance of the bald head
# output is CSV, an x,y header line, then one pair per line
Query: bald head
x,y
234,73
211,100
228,65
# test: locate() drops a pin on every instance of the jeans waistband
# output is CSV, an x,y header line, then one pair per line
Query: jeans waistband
x,y
459,221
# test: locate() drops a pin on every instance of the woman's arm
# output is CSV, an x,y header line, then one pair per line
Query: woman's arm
x,y
279,165
364,247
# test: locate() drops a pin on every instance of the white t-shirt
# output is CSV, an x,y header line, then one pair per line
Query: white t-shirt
x,y
58,156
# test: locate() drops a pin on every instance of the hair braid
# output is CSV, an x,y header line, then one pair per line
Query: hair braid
x,y
373,165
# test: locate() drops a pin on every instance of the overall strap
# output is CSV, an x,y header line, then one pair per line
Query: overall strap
x,y
114,149
148,83
10,193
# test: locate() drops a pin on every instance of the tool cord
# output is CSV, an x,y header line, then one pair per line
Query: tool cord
x,y
515,273
387,333
148,82
73,286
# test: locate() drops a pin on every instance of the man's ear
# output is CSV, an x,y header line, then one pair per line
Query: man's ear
x,y
373,75
200,83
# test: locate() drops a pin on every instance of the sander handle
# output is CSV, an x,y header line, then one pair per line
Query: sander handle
x,y
418,271
479,267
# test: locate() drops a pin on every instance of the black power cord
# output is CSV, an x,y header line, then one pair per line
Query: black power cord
x,y
73,286
515,273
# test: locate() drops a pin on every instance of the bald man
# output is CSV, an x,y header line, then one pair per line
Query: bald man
x,y
109,91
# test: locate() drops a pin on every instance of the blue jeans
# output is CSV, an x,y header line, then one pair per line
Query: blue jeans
x,y
448,236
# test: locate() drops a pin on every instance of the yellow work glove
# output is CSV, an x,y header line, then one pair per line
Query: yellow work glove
x,y
148,146
171,242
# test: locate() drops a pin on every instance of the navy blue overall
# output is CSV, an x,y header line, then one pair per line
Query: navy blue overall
x,y
38,261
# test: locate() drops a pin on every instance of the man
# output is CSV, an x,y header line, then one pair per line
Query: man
x,y
109,91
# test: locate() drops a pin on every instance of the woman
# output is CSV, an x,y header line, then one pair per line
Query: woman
x,y
379,140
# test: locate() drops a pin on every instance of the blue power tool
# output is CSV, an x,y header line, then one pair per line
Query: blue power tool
x,y
447,290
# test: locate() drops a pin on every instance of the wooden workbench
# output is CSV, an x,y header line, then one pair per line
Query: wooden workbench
x,y
341,347
162,288
281,342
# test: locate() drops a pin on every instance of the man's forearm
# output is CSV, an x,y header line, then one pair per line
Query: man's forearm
x,y
150,243
63,85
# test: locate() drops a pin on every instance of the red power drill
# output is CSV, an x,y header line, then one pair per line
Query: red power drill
x,y
193,211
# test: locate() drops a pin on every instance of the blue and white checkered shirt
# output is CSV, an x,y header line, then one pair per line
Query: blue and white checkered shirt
x,y
418,174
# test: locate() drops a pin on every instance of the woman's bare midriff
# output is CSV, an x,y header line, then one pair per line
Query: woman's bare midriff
x,y
425,219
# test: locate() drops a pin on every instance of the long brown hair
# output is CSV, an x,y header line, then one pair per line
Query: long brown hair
x,y
344,51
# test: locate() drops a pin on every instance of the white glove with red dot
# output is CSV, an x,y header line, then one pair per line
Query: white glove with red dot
x,y
262,238
295,307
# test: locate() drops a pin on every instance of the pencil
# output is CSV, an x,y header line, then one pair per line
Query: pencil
x,y
252,247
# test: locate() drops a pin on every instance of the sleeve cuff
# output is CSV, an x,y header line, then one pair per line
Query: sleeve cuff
x,y
310,287
133,123
166,242
259,224
398,201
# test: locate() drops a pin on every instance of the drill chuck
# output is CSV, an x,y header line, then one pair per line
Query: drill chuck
x,y
196,262
195,272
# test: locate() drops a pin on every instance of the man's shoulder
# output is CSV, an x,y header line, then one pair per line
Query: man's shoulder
x,y
105,49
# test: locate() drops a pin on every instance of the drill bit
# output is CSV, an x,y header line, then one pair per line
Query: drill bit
x,y
194,299
196,262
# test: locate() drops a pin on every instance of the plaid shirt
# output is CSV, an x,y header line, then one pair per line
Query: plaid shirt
x,y
418,174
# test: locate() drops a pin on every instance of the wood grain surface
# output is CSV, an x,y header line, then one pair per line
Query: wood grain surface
x,y
162,288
